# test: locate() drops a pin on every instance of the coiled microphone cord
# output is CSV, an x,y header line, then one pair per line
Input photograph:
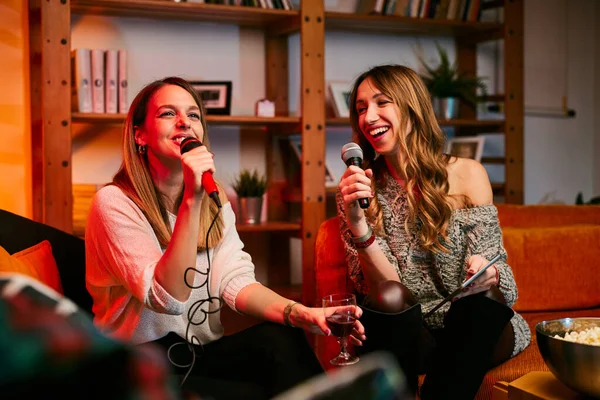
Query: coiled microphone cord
x,y
195,307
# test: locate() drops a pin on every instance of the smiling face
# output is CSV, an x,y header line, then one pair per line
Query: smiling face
x,y
379,119
172,115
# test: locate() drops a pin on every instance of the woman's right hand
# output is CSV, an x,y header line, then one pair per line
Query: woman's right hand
x,y
314,320
194,163
355,184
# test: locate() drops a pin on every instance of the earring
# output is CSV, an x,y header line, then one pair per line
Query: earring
x,y
142,149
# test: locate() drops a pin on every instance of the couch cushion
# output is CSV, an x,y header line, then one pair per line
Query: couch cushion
x,y
40,261
554,267
526,216
330,261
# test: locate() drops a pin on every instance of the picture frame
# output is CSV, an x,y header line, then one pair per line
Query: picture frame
x,y
296,143
340,97
466,147
215,96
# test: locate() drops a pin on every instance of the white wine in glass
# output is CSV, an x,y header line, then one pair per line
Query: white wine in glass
x,y
340,313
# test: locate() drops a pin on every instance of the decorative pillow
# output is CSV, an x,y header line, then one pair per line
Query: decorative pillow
x,y
11,264
50,349
39,258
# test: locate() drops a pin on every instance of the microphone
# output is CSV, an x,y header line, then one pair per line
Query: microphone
x,y
352,155
208,183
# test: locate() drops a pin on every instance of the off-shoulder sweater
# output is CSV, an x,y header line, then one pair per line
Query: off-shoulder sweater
x,y
433,276
121,254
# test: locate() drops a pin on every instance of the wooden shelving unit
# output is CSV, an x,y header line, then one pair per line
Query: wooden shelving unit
x,y
280,21
52,118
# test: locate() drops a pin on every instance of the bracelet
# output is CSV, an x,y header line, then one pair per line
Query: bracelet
x,y
286,313
497,276
364,237
365,240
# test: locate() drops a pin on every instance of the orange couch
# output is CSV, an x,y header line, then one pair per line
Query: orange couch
x,y
554,251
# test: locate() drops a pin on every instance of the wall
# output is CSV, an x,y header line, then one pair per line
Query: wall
x,y
15,153
561,157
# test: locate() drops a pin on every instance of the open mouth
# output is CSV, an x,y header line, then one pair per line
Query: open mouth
x,y
379,131
179,138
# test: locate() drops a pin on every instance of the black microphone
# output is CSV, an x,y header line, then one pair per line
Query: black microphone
x,y
352,155
208,183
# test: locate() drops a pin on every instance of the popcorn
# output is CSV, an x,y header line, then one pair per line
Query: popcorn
x,y
587,336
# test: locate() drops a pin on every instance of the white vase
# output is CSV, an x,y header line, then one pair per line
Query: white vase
x,y
250,209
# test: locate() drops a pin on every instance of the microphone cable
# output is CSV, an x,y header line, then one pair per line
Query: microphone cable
x,y
193,340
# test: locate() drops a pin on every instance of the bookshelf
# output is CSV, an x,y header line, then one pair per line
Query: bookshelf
x,y
52,118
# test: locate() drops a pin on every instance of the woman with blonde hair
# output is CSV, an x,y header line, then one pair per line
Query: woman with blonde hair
x,y
163,257
429,225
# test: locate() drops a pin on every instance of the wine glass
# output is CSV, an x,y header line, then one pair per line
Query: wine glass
x,y
341,323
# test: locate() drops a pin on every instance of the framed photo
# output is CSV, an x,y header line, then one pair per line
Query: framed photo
x,y
216,96
296,143
340,97
466,147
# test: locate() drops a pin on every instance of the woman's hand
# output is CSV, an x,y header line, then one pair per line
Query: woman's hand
x,y
355,184
194,163
313,319
484,282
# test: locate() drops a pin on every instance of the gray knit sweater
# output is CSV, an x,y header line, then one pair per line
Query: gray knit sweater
x,y
432,276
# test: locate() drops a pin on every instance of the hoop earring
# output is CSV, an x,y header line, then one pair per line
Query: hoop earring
x,y
142,149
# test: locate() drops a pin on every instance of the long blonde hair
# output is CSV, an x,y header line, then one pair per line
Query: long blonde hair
x,y
135,180
424,164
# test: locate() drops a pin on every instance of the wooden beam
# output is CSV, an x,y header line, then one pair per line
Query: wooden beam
x,y
277,83
49,43
466,55
312,86
514,103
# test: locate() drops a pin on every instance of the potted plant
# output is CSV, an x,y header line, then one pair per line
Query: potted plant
x,y
250,188
446,86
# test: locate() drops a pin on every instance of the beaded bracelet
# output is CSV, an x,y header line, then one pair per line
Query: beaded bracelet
x,y
365,240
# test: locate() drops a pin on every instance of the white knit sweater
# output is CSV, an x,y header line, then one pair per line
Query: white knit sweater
x,y
121,254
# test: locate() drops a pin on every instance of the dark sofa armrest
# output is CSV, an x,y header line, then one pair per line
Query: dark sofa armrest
x,y
18,233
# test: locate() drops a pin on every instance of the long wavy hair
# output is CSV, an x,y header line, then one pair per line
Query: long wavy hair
x,y
424,163
135,180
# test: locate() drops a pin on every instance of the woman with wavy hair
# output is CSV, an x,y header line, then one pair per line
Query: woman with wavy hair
x,y
430,225
163,257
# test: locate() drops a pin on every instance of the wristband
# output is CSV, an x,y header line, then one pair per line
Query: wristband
x,y
286,313
365,240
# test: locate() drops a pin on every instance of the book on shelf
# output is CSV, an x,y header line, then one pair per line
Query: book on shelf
x,y
123,104
98,105
370,6
81,80
111,81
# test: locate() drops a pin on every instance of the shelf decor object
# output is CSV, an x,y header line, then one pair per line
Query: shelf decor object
x,y
448,85
216,96
340,97
250,188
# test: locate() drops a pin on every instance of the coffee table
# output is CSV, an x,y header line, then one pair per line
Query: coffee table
x,y
536,385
